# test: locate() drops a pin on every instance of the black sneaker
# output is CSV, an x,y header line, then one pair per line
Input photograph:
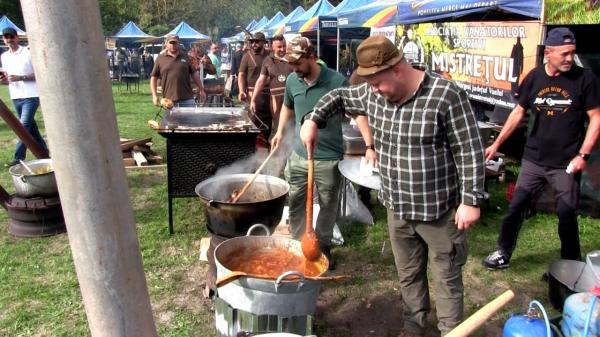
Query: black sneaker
x,y
12,163
496,260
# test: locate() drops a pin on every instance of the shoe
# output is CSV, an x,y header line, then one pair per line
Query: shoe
x,y
12,163
496,260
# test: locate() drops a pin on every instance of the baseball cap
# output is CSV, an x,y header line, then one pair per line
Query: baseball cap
x,y
298,47
559,37
375,54
258,36
9,31
172,37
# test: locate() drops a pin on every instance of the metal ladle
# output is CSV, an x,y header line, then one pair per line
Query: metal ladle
x,y
26,167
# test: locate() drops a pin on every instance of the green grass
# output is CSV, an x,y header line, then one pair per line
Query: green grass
x,y
39,292
570,12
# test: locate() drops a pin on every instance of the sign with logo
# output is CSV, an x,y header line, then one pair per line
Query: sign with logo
x,y
487,59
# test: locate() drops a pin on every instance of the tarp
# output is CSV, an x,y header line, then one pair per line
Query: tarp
x,y
274,20
279,28
5,23
376,14
309,18
187,33
435,10
131,32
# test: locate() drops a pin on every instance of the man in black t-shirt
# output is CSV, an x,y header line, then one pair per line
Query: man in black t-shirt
x,y
562,97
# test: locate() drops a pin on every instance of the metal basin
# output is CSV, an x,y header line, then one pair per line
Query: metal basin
x,y
262,203
42,182
281,297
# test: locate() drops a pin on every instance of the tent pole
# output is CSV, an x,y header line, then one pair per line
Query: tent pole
x,y
337,55
319,39
79,113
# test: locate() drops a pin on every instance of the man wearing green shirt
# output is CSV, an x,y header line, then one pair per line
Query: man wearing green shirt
x,y
308,82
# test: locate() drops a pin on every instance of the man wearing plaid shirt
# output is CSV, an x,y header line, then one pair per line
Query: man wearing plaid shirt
x,y
431,162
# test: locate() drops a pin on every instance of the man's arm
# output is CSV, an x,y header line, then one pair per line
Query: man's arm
x,y
258,87
209,67
512,122
242,96
201,92
467,151
591,137
362,122
286,117
153,90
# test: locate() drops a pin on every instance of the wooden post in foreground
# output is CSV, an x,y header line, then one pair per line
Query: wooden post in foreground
x,y
481,316
67,46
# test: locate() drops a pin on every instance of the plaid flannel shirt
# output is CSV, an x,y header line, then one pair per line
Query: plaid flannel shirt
x,y
429,150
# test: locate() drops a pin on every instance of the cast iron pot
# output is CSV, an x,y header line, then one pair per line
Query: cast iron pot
x,y
262,203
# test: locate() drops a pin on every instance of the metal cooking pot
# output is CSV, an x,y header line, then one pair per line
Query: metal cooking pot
x,y
567,277
281,297
262,203
27,185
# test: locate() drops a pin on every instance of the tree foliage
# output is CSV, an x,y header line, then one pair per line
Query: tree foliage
x,y
157,17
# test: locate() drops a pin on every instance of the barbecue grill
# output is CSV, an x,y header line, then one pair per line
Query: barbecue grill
x,y
199,141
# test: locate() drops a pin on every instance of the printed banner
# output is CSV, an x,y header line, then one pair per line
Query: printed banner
x,y
487,59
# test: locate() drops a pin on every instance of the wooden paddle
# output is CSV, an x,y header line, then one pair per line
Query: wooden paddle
x,y
236,195
223,280
310,242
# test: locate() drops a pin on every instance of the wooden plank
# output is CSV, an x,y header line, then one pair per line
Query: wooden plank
x,y
154,159
204,244
130,144
141,148
139,158
128,162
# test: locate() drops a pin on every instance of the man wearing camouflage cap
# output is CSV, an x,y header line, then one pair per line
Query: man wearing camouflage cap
x,y
562,98
308,82
430,158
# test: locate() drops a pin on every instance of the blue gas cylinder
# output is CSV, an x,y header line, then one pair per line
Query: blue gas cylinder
x,y
524,326
576,312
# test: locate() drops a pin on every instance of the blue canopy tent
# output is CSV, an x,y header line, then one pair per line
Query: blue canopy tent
x,y
326,26
132,33
274,20
187,34
320,8
279,27
375,14
409,12
6,23
239,36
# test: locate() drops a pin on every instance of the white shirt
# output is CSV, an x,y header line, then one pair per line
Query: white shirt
x,y
19,63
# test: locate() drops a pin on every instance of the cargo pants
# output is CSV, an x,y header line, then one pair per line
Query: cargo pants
x,y
446,246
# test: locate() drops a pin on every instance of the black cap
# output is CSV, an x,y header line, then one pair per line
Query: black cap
x,y
9,31
258,36
560,37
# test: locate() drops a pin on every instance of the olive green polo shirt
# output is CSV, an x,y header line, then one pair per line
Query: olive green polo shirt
x,y
301,98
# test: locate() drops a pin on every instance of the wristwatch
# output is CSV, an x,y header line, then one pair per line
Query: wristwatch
x,y
584,156
372,147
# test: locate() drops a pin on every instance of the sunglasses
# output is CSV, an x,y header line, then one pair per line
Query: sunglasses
x,y
8,36
173,42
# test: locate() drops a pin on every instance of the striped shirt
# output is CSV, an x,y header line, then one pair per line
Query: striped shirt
x,y
429,150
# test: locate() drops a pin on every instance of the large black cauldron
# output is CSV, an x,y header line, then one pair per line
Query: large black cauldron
x,y
262,203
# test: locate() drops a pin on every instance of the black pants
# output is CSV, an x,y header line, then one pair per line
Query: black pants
x,y
532,179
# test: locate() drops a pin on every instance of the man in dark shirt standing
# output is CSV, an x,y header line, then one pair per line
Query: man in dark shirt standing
x,y
175,70
247,76
273,75
430,158
562,98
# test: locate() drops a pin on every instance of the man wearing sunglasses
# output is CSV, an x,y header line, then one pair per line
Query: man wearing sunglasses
x,y
175,71
18,75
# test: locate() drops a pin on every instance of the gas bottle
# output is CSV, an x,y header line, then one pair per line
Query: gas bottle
x,y
581,315
528,325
